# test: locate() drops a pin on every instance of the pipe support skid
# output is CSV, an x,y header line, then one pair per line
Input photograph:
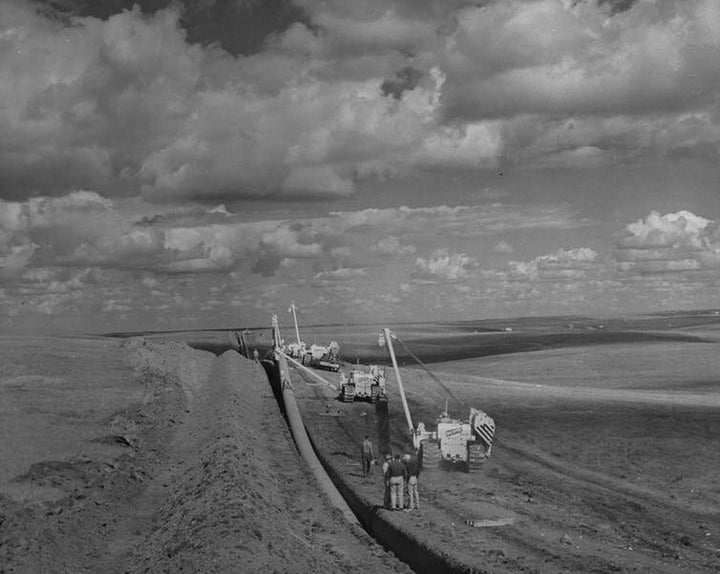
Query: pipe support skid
x,y
297,428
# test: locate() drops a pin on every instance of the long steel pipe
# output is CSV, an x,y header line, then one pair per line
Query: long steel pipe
x,y
297,428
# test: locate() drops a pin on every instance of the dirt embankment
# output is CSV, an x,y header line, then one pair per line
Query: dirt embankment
x,y
207,480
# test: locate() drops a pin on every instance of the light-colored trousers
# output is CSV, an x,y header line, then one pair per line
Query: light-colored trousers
x,y
413,495
396,492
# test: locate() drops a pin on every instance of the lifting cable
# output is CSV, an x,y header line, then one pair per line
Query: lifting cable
x,y
429,372
311,327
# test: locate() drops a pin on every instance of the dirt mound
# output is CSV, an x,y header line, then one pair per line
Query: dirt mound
x,y
244,502
198,474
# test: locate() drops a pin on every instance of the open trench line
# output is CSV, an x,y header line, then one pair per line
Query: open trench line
x,y
363,519
304,446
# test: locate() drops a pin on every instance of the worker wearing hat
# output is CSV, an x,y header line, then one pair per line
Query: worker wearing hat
x,y
412,470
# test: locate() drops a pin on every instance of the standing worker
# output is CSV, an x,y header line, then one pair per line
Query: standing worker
x,y
386,481
412,469
396,474
367,454
256,356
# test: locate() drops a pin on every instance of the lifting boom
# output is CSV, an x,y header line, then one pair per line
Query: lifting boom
x,y
453,441
387,337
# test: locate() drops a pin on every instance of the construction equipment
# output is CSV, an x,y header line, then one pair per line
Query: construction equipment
x,y
363,384
318,356
453,441
324,357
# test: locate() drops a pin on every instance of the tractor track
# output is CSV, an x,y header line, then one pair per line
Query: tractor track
x,y
634,515
573,477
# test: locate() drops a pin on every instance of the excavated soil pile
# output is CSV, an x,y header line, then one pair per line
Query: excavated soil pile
x,y
201,476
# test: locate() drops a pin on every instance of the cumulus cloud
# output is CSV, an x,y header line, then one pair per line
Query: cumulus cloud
x,y
561,265
287,241
84,103
445,266
615,76
669,243
390,245
553,56
52,227
83,229
129,104
14,258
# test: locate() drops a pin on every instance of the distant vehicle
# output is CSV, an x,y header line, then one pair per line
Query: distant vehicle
x,y
453,441
362,384
324,357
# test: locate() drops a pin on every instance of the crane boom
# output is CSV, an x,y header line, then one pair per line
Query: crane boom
x,y
277,341
388,341
293,310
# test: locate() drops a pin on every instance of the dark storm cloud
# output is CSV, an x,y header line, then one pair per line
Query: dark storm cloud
x,y
239,26
128,104
266,263
406,79
618,5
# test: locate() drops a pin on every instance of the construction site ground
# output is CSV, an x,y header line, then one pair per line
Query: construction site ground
x,y
591,471
140,456
144,455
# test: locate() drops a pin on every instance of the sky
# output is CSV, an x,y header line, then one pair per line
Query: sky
x,y
193,165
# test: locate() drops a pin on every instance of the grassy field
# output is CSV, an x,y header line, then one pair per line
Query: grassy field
x,y
657,365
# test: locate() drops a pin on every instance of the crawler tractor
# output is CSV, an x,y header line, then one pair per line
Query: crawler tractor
x,y
456,442
453,441
318,356
322,357
363,384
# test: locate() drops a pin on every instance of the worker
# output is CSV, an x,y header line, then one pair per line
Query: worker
x,y
396,476
386,481
412,469
256,355
367,455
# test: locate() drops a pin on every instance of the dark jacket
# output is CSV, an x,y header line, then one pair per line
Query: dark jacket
x,y
396,468
412,468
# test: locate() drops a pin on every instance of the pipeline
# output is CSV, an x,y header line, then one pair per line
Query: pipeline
x,y
416,554
365,520
297,428
363,515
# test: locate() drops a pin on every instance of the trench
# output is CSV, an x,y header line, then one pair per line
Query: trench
x,y
421,558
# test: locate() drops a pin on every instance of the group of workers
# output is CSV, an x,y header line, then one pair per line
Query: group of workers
x,y
400,475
